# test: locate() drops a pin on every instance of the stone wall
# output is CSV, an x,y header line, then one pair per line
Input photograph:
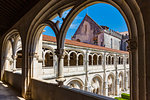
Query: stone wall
x,y
46,91
14,79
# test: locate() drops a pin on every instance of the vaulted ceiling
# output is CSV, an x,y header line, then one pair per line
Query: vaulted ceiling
x,y
12,10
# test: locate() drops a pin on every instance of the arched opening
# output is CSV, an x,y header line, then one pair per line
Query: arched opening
x,y
121,81
90,60
100,60
127,62
75,84
111,88
95,60
66,60
19,59
73,59
109,60
97,85
80,60
112,60
48,59
119,60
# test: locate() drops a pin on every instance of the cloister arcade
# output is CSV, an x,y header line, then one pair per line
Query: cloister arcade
x,y
74,66
30,27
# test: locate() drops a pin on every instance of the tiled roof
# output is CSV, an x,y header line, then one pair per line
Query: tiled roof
x,y
76,43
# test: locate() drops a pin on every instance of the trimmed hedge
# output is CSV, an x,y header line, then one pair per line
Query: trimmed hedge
x,y
125,96
118,98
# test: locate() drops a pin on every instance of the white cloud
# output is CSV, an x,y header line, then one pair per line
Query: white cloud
x,y
74,26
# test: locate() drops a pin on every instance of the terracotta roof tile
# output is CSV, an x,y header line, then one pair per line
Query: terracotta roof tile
x,y
76,43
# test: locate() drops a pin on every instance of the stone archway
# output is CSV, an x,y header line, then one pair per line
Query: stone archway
x,y
97,85
48,59
111,85
121,81
75,83
134,19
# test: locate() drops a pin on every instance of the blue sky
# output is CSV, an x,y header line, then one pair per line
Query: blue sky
x,y
102,14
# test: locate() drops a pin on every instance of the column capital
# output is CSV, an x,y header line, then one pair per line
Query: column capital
x,y
60,53
14,57
132,45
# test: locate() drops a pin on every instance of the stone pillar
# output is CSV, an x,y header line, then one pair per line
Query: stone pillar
x,y
125,72
55,64
36,66
60,75
117,77
97,60
105,86
43,59
77,62
68,61
134,81
14,62
92,60
86,64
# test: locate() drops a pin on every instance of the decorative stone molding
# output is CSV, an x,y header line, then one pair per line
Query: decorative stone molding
x,y
132,45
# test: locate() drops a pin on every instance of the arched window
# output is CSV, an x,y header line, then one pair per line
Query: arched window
x,y
49,60
109,60
100,60
80,60
95,60
73,59
19,59
90,60
127,60
119,60
112,60
66,60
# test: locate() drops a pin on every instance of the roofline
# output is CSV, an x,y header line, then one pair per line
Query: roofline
x,y
81,44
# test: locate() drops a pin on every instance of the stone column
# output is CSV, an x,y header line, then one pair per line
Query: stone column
x,y
43,59
60,75
55,64
92,60
68,61
14,62
77,62
97,60
86,64
125,72
134,81
117,77
105,85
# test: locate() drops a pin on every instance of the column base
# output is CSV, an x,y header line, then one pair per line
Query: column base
x,y
60,81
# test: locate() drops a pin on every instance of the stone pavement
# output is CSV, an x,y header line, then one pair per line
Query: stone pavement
x,y
8,93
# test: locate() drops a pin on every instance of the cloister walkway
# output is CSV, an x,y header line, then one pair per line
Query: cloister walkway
x,y
8,93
